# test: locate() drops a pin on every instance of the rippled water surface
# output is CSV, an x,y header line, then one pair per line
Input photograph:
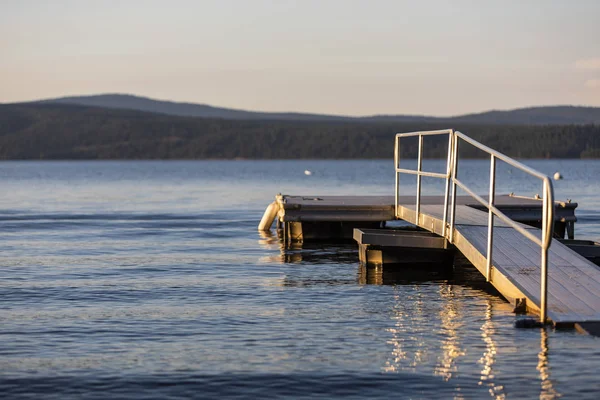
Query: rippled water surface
x,y
149,280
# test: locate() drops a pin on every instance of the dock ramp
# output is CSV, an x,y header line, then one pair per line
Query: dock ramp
x,y
526,266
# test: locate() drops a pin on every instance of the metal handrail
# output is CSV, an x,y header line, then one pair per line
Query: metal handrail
x,y
452,181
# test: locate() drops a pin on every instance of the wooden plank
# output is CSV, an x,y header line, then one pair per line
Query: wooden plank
x,y
399,238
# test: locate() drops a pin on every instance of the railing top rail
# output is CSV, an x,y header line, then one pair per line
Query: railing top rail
x,y
502,157
422,173
425,133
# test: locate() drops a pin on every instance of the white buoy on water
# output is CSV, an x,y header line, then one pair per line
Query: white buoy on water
x,y
307,172
557,176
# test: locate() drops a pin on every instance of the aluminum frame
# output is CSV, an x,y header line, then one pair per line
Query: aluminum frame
x,y
452,182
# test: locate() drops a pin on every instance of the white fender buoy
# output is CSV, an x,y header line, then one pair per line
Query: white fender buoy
x,y
268,217
307,172
557,176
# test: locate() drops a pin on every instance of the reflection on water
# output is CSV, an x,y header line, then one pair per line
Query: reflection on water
x,y
451,319
489,356
408,351
306,253
400,275
267,238
412,347
548,391
370,276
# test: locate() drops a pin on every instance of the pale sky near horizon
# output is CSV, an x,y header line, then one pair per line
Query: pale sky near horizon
x,y
349,57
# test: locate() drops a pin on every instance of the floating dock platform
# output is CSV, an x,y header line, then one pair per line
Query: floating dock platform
x,y
409,247
316,218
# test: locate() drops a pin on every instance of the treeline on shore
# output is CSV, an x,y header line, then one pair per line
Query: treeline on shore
x,y
45,131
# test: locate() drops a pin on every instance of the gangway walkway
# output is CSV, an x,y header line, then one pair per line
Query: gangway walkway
x,y
573,281
522,262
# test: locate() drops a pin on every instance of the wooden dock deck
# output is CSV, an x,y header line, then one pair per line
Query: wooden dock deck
x,y
381,208
319,217
573,281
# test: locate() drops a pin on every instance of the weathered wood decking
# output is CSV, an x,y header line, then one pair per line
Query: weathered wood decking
x,y
345,209
381,208
573,281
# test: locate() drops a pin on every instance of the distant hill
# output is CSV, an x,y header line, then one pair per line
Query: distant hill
x,y
550,115
67,131
130,102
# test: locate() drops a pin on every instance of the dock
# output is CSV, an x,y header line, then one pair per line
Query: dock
x,y
314,218
517,243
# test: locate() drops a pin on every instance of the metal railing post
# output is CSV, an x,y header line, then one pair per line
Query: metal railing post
x,y
419,168
546,224
397,143
448,177
544,287
454,173
490,244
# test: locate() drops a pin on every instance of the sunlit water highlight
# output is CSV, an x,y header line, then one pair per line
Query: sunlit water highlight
x,y
148,279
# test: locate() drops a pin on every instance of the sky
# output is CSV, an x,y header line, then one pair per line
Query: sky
x,y
349,57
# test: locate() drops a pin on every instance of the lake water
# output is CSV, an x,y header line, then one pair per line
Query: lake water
x,y
149,280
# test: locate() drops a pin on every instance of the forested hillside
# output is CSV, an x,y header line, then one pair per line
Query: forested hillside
x,y
53,131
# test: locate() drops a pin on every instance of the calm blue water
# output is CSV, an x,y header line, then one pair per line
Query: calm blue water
x,y
149,280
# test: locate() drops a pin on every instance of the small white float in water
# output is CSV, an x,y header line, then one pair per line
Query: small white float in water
x,y
557,176
307,172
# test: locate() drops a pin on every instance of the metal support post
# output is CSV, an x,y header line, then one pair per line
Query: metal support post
x,y
490,244
419,168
